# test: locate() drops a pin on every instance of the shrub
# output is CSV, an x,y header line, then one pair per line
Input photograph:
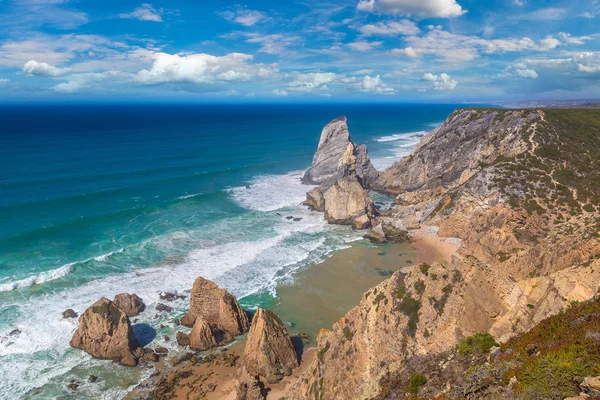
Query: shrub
x,y
479,343
425,269
348,333
410,307
415,382
420,287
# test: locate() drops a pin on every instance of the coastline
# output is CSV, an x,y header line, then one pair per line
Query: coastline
x,y
317,298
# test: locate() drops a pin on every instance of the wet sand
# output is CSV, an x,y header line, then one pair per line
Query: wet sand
x,y
325,292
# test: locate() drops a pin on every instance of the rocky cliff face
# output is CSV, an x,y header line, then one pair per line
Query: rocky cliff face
x,y
519,190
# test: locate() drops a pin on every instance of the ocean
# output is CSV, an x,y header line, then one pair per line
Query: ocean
x,y
97,200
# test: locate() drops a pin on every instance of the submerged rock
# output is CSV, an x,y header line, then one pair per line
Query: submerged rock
x,y
130,303
217,307
105,332
70,313
269,350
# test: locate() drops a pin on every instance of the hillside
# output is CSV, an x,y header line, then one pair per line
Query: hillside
x,y
519,190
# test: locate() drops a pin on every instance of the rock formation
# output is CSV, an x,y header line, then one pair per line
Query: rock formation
x,y
249,387
202,337
130,303
218,308
105,332
337,157
516,191
269,350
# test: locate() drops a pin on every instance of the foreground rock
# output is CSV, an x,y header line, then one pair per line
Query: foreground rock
x,y
70,313
343,201
269,350
130,303
337,157
105,332
219,310
202,337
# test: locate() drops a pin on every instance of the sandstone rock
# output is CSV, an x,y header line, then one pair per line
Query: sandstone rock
x,y
183,339
376,235
362,222
269,350
105,332
171,296
342,201
92,378
202,337
337,157
591,386
150,355
217,307
249,387
130,303
70,313
163,307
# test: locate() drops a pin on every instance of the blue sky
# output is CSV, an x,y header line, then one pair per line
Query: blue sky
x,y
282,50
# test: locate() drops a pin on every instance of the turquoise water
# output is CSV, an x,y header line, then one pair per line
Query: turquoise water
x,y
99,200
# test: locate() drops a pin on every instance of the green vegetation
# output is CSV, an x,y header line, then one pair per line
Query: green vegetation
x,y
479,343
348,335
415,383
410,307
440,304
425,269
400,291
420,287
321,353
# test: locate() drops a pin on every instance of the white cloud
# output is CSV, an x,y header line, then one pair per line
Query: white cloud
x,y
568,39
369,84
390,28
67,87
244,16
4,81
363,45
421,8
36,68
519,3
311,82
543,14
527,73
441,81
274,43
407,52
279,92
145,12
203,68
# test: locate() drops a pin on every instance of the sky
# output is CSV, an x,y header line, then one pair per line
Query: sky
x,y
284,50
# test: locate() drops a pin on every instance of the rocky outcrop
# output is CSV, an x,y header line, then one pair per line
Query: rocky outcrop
x,y
337,157
70,313
130,303
202,337
269,350
105,332
343,201
249,387
218,308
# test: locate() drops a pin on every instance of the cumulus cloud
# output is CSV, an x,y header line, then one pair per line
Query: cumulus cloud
x,y
244,16
368,84
441,81
203,69
145,12
279,92
311,82
527,73
421,8
407,52
390,28
363,45
36,68
273,43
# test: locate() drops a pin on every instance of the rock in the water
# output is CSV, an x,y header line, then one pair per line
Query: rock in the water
x,y
202,337
171,296
217,307
105,332
269,350
92,378
342,202
130,303
362,222
70,313
163,307
376,235
183,339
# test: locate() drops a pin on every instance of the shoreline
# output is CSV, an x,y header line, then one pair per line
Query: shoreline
x,y
349,271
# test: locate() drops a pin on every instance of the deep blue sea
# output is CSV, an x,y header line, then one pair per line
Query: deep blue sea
x,y
97,200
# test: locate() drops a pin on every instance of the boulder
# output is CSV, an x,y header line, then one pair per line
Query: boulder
x,y
591,386
105,332
362,222
70,313
376,235
269,351
315,199
130,303
345,200
202,338
249,387
183,339
217,307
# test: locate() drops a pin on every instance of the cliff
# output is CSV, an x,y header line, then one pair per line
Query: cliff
x,y
519,191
